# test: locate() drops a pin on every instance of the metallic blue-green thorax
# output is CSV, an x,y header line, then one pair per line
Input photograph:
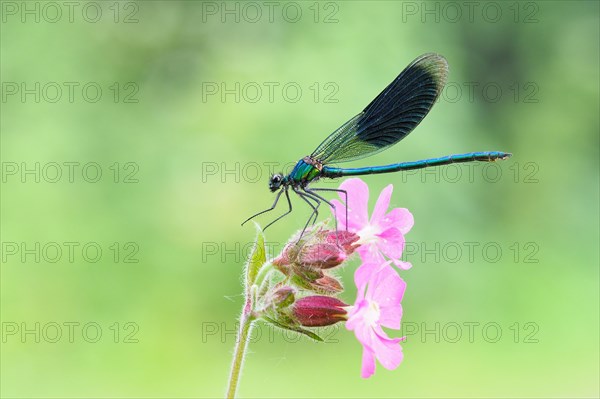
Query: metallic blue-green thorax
x,y
305,171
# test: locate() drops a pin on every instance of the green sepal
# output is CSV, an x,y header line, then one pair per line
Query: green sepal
x,y
308,333
291,298
257,258
304,278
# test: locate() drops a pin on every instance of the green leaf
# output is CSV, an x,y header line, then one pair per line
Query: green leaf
x,y
257,258
300,330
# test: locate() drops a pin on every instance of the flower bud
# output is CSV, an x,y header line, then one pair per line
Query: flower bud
x,y
285,258
321,249
322,256
319,311
344,239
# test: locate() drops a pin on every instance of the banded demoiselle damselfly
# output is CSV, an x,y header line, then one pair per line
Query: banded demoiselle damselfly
x,y
390,117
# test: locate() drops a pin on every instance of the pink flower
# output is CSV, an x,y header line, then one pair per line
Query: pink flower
x,y
383,234
378,306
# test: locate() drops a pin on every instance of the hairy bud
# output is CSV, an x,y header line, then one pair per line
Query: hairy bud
x,y
319,311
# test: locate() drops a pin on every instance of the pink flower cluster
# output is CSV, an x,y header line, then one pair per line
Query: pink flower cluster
x,y
307,296
380,288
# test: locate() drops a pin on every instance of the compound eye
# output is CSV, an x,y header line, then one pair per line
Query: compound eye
x,y
277,178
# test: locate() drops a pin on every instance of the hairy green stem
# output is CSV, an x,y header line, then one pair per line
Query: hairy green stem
x,y
240,350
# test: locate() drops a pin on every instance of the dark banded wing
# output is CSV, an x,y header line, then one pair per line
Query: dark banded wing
x,y
391,116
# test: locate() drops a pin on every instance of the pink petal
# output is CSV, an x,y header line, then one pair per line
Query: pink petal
x,y
386,288
355,222
372,262
355,185
355,316
369,253
391,319
382,204
362,275
358,200
400,218
388,351
368,364
365,335
391,243
402,265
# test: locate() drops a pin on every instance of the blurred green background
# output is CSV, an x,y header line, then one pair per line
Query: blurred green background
x,y
196,100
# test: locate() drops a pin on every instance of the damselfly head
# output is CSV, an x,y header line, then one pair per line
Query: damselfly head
x,y
275,182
